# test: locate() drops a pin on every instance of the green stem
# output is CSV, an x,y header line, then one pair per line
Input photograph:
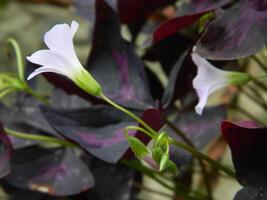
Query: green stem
x,y
183,192
203,157
202,165
137,128
34,94
20,63
40,138
135,117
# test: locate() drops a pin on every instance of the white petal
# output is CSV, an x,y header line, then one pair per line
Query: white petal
x,y
46,58
74,27
46,69
60,40
208,80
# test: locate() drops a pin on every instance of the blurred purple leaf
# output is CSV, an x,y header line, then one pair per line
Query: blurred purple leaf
x,y
186,16
180,80
131,11
200,130
5,152
99,130
190,7
173,26
239,32
55,171
114,63
118,181
250,193
248,144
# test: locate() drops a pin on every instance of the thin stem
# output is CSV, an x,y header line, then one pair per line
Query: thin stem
x,y
137,128
20,63
142,187
6,92
202,156
40,138
34,94
135,117
188,141
182,193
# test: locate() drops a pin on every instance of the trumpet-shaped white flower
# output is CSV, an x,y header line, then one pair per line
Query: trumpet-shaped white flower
x,y
61,58
210,79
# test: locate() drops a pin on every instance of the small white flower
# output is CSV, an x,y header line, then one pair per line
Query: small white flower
x,y
210,79
61,58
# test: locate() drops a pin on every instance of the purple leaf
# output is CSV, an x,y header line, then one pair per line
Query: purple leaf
x,y
99,130
5,152
55,171
248,144
240,31
200,130
182,74
186,16
26,117
250,193
135,10
173,26
118,181
114,63
199,6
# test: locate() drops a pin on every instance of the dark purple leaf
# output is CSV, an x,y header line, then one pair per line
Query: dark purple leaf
x,y
173,26
5,152
199,6
114,63
132,11
99,130
157,52
25,116
16,193
117,184
55,171
250,193
240,31
186,16
60,99
180,80
200,130
248,144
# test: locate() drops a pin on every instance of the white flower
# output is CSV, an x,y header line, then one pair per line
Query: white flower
x,y
61,58
210,79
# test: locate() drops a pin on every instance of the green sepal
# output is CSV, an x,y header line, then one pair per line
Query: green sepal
x,y
140,150
163,161
157,154
170,167
86,82
238,78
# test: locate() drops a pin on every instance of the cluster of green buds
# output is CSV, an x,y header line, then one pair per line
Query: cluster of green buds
x,y
158,156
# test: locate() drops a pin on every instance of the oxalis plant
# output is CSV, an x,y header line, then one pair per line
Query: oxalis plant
x,y
109,121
